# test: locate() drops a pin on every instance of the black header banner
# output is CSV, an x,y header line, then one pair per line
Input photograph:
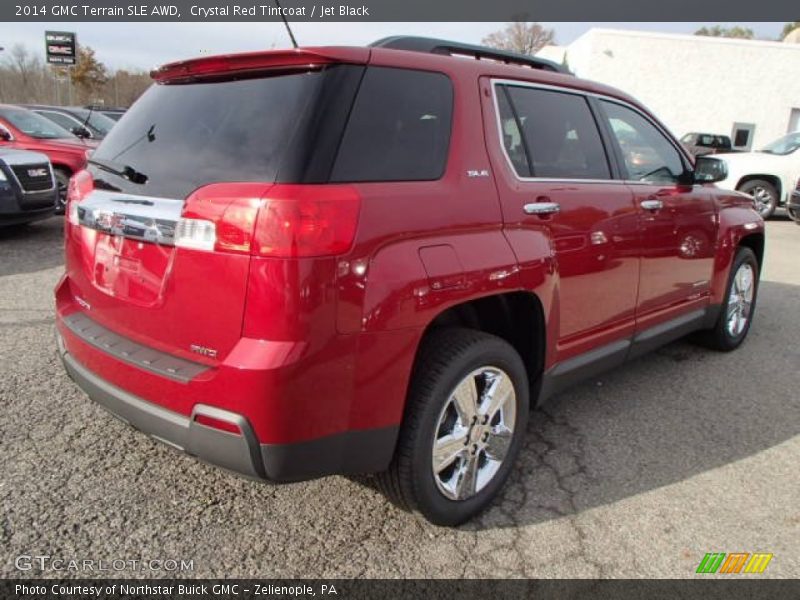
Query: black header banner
x,y
399,10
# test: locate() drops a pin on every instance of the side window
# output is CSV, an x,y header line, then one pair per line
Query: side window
x,y
60,119
399,127
559,133
512,136
648,155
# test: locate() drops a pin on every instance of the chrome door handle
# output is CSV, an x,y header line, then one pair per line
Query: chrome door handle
x,y
541,208
651,204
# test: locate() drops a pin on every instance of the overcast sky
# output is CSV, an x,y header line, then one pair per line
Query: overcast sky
x,y
146,45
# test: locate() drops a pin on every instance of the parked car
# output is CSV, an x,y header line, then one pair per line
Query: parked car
x,y
700,144
28,190
83,122
290,297
793,207
23,129
112,112
767,175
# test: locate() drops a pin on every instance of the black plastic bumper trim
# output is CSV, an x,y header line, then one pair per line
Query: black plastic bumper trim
x,y
131,352
352,452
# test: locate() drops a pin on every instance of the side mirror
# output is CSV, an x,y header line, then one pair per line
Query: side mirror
x,y
709,170
81,132
5,135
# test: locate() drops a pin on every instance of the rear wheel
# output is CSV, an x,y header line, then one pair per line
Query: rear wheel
x,y
62,181
740,303
466,416
765,196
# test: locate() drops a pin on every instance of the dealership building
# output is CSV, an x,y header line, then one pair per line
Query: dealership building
x,y
747,89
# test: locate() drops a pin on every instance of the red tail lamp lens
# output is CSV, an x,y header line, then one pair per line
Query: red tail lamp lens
x,y
307,220
284,221
220,217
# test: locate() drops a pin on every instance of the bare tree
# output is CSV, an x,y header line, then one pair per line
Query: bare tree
x,y
26,79
25,74
525,38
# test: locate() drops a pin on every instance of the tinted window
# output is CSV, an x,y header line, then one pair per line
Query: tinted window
x,y
560,134
647,153
95,119
399,128
62,120
182,136
512,137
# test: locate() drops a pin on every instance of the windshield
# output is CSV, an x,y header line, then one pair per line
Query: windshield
x,y
785,145
34,125
97,120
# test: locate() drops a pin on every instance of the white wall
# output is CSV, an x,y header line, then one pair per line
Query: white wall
x,y
695,83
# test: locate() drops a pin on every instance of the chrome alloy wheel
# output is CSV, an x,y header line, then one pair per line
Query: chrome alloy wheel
x,y
762,199
740,299
474,432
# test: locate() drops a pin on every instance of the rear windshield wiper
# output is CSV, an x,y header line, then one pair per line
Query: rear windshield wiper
x,y
124,171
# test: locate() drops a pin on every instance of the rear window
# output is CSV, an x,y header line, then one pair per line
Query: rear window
x,y
399,128
178,137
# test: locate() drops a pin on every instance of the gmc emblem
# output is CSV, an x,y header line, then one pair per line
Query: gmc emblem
x,y
37,173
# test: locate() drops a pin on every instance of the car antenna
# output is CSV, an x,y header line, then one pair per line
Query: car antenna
x,y
286,23
88,115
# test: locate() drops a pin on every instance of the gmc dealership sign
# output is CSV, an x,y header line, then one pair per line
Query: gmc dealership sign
x,y
61,47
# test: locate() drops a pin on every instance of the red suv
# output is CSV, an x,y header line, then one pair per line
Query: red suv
x,y
23,129
377,260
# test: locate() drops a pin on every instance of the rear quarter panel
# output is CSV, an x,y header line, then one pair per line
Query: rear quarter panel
x,y
420,248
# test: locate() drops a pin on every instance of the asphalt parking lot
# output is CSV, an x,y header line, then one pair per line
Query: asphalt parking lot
x,y
637,474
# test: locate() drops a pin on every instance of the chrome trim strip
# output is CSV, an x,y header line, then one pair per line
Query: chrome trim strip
x,y
143,218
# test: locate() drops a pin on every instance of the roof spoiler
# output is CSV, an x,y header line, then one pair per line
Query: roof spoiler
x,y
258,61
436,46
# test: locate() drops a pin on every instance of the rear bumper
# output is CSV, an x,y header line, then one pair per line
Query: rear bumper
x,y
351,452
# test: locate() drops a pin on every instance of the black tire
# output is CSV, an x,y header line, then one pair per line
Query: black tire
x,y
62,181
765,196
720,337
446,358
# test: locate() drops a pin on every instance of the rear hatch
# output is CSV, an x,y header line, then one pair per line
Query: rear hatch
x,y
206,142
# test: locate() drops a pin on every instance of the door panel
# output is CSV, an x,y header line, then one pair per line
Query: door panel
x,y
679,246
678,220
554,178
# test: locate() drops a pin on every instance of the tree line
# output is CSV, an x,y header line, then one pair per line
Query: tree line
x,y
25,78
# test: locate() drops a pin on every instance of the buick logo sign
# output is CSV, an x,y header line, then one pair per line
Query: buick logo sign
x,y
37,172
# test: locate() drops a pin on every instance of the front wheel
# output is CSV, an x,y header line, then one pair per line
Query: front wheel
x,y
737,312
765,196
465,419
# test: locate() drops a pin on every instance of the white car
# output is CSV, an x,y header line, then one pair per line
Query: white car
x,y
768,175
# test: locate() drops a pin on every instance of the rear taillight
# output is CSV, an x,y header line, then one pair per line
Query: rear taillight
x,y
220,217
285,221
80,185
307,220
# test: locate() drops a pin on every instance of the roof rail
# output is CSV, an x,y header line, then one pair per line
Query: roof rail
x,y
434,46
